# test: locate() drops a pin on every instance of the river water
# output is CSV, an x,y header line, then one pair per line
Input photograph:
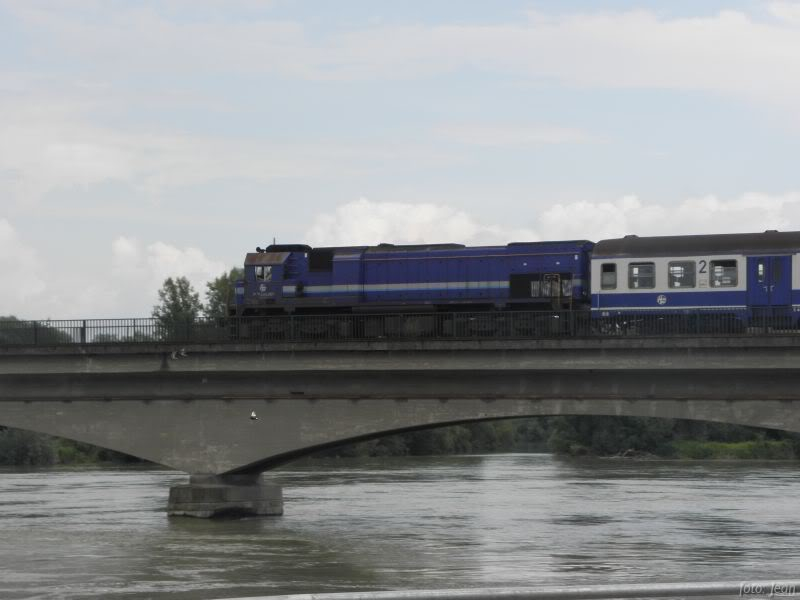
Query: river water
x,y
401,523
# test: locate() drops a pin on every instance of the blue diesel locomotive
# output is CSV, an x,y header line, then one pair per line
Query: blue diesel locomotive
x,y
387,278
742,277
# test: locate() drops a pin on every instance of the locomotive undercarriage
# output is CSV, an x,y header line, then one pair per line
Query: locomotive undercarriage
x,y
404,325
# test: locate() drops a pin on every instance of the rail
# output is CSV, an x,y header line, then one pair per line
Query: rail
x,y
396,326
746,589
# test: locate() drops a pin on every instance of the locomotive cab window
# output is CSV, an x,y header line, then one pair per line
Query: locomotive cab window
x,y
682,274
724,273
641,276
608,276
263,273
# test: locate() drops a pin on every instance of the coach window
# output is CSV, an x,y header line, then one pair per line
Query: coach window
x,y
608,276
641,276
682,274
724,273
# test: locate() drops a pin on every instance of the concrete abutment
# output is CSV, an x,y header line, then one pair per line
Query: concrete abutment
x,y
207,496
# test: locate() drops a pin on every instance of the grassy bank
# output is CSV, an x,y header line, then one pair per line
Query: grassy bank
x,y
748,450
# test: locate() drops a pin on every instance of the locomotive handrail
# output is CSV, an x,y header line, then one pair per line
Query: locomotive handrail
x,y
390,326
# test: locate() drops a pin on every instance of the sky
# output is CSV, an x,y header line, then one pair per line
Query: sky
x,y
148,139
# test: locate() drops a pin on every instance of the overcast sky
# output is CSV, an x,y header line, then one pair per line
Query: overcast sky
x,y
140,140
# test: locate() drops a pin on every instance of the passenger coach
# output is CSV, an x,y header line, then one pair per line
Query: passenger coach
x,y
745,276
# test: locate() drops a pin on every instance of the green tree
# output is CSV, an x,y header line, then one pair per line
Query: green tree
x,y
15,331
219,293
26,448
178,308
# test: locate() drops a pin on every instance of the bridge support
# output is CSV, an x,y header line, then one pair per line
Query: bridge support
x,y
208,496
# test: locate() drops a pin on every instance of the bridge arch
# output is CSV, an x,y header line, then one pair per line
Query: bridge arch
x,y
219,437
778,415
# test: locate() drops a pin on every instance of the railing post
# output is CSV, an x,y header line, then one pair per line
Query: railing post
x,y
83,332
35,333
291,327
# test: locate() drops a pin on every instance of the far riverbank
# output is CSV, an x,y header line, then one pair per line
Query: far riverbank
x,y
595,436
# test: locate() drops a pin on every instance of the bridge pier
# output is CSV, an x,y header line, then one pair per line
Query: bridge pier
x,y
207,496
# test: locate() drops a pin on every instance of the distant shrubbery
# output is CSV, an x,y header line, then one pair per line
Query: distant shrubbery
x,y
587,436
755,449
526,435
608,436
29,449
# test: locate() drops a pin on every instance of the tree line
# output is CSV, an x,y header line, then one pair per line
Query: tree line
x,y
179,302
598,436
179,306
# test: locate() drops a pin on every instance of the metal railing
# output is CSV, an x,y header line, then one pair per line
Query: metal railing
x,y
402,326
752,589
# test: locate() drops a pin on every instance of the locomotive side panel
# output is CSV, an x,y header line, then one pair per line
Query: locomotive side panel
x,y
549,275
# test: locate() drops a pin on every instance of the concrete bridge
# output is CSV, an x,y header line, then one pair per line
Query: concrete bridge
x,y
192,407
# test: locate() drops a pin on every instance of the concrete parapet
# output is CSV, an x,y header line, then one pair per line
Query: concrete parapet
x,y
208,496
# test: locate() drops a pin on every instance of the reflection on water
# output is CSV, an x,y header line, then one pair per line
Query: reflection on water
x,y
404,523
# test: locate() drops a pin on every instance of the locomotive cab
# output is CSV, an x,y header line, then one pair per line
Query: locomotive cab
x,y
264,273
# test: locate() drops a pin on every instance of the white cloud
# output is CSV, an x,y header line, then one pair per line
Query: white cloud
x,y
363,222
64,142
484,134
53,144
20,271
127,285
731,51
138,272
707,214
785,11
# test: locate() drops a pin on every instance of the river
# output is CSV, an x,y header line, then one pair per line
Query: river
x,y
400,523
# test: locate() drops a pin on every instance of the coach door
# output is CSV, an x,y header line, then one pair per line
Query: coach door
x,y
769,281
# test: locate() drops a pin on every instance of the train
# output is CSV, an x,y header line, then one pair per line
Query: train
x,y
740,277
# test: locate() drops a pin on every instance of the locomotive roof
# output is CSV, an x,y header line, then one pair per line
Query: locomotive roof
x,y
265,258
551,243
413,247
432,247
677,245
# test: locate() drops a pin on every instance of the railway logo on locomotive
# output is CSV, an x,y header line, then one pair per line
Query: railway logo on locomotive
x,y
662,299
